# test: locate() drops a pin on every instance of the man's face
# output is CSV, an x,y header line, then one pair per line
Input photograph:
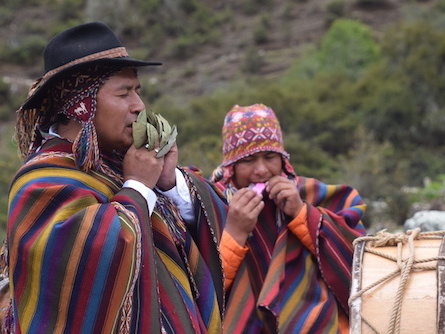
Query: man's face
x,y
118,104
256,168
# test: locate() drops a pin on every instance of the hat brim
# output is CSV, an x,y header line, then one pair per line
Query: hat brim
x,y
35,99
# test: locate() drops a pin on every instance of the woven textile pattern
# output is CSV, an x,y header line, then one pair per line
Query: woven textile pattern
x,y
99,264
281,286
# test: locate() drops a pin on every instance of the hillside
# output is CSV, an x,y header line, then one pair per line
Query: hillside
x,y
214,66
291,27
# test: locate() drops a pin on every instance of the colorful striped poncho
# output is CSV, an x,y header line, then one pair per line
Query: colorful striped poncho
x,y
85,257
282,286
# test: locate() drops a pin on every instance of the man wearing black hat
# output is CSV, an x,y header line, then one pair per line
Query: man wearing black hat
x,y
105,237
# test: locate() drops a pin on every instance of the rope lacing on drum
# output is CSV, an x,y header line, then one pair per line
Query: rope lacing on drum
x,y
405,266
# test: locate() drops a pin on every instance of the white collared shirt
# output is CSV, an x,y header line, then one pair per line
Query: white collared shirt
x,y
179,194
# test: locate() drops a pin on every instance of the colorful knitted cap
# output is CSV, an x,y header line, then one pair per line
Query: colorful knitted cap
x,y
248,130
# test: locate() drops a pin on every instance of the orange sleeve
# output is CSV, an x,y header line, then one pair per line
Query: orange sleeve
x,y
343,323
231,254
298,226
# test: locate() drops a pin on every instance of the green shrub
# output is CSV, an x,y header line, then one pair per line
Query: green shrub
x,y
251,7
348,47
286,13
260,35
253,60
373,3
399,206
405,92
335,10
70,9
309,159
204,152
150,90
261,31
441,6
31,47
181,48
4,90
5,15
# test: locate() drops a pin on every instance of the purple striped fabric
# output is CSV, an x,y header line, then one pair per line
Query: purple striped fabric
x,y
85,257
281,287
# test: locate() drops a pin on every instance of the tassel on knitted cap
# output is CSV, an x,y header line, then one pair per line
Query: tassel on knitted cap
x,y
86,151
248,130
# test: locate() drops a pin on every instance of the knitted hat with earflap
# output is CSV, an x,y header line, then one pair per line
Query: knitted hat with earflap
x,y
249,130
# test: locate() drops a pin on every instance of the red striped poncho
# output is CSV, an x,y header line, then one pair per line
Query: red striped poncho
x,y
283,287
85,257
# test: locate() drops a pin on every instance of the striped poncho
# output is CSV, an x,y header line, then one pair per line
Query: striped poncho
x,y
281,285
85,257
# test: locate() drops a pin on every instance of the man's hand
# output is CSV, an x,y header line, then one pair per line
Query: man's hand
x,y
244,208
285,194
142,165
167,179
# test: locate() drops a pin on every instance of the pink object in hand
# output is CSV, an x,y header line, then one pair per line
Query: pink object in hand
x,y
258,187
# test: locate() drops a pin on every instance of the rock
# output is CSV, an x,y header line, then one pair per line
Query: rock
x,y
427,220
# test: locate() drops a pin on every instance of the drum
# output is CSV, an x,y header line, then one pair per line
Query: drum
x,y
398,283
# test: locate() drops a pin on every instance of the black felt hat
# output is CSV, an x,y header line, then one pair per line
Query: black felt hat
x,y
78,46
